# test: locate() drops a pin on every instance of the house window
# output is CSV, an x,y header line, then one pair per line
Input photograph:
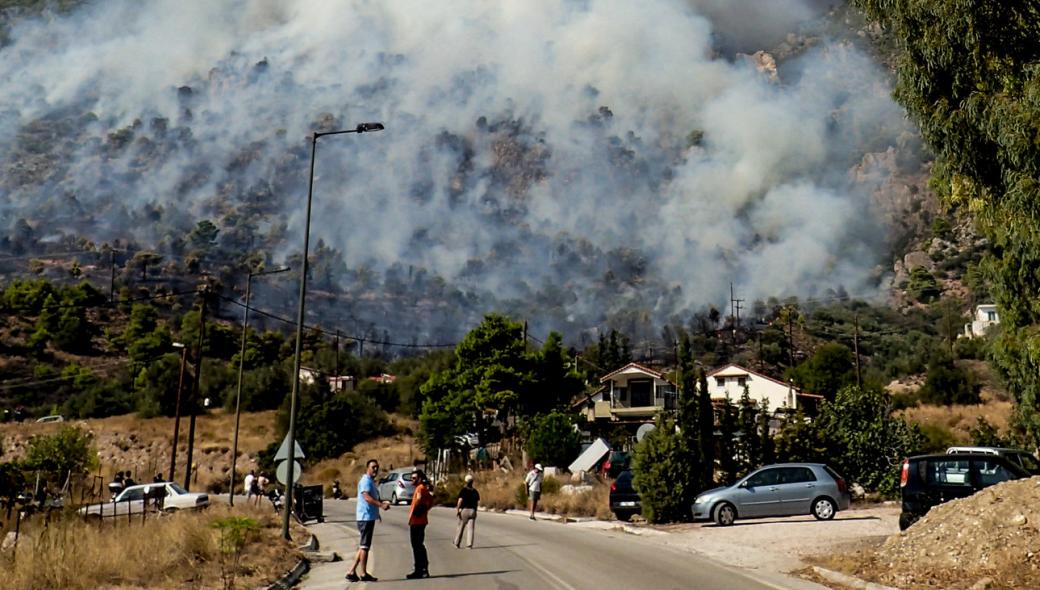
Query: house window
x,y
720,381
741,381
991,316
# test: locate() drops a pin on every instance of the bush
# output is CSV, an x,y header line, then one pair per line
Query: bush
x,y
553,439
948,384
936,438
446,492
656,468
70,450
328,428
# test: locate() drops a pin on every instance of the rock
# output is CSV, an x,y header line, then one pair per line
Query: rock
x,y
918,259
983,584
1019,520
570,490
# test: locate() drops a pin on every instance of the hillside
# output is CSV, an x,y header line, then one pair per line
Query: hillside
x,y
143,445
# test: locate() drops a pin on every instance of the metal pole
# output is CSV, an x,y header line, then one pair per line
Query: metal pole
x,y
195,389
290,463
177,412
238,394
291,435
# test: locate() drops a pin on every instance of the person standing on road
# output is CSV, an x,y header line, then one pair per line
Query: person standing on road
x,y
422,501
466,510
534,487
260,485
368,505
249,485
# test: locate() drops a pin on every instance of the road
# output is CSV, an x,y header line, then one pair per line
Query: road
x,y
513,553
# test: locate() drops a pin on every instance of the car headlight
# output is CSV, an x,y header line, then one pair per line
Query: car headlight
x,y
699,500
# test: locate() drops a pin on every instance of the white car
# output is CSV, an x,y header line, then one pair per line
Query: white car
x,y
132,499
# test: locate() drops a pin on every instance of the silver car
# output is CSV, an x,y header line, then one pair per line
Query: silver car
x,y
397,486
776,490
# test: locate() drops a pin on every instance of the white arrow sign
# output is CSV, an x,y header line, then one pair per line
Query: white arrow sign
x,y
283,451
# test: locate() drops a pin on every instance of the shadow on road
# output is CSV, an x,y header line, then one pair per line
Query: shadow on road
x,y
787,521
467,574
502,546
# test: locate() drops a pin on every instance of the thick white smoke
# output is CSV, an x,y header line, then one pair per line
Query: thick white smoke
x,y
499,169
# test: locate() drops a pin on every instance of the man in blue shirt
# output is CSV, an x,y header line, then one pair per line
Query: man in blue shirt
x,y
368,505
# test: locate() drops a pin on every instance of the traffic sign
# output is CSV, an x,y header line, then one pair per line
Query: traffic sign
x,y
283,451
282,472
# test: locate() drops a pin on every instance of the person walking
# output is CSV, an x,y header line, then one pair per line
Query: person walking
x,y
466,510
422,501
534,487
260,485
368,505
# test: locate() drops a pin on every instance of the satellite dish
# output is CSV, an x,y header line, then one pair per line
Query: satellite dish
x,y
643,430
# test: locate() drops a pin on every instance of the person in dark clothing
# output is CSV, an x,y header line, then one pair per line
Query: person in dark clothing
x,y
422,501
466,510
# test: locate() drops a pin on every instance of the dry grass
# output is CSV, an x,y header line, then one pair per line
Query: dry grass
x,y
391,452
499,491
143,444
176,552
960,419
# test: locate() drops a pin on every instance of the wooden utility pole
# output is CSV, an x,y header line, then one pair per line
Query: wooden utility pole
x,y
790,337
194,401
855,348
112,277
337,354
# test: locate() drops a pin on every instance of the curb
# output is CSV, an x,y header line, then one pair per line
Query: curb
x,y
291,577
847,580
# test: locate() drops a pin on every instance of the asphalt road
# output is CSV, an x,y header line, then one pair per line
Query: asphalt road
x,y
513,553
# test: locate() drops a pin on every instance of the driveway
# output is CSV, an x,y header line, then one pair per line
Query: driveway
x,y
515,553
782,544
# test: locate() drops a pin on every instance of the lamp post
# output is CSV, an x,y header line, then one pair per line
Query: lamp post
x,y
177,411
241,365
291,436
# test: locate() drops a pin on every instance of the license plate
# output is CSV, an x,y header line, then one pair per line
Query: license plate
x,y
626,503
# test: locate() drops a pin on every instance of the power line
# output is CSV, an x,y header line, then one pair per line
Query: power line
x,y
341,333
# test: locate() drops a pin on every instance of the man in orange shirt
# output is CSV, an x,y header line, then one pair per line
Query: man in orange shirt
x,y
422,501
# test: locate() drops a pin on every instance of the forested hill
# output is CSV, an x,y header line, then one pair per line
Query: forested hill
x,y
576,191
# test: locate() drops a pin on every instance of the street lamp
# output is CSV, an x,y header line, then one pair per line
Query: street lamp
x,y
177,411
241,365
291,436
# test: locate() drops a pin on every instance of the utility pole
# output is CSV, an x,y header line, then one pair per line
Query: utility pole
x,y
790,337
855,348
193,402
525,335
337,353
177,410
112,277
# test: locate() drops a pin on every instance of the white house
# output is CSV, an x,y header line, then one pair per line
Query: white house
x,y
985,316
309,376
728,383
633,392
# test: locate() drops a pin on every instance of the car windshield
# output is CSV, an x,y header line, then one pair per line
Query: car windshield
x,y
177,489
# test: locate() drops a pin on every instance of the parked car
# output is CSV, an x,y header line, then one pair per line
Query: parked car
x,y
624,499
929,480
776,490
397,486
617,461
1024,459
133,498
48,419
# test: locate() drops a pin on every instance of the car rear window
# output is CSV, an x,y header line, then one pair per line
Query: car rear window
x,y
992,472
832,473
950,472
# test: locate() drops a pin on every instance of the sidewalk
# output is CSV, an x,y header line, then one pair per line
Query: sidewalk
x,y
329,575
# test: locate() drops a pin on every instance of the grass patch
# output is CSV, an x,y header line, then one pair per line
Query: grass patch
x,y
177,552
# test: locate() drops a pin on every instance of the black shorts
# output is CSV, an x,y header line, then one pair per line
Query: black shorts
x,y
366,528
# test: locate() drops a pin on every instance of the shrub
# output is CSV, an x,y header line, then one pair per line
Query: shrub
x,y
947,384
70,450
656,469
936,438
553,439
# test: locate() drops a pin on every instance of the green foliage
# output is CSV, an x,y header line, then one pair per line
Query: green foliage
x,y
658,477
728,462
984,434
947,384
553,439
937,438
156,384
235,533
12,479
857,435
27,296
829,369
70,450
327,427
969,75
749,444
923,286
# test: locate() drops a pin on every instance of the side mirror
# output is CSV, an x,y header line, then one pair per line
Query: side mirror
x,y
743,484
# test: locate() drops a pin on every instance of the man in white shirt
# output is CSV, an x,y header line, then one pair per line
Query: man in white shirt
x,y
534,486
247,484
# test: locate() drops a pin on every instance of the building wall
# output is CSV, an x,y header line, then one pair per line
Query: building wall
x,y
778,395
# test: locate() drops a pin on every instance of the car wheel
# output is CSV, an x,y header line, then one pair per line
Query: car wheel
x,y
725,514
906,521
623,516
823,509
171,510
393,498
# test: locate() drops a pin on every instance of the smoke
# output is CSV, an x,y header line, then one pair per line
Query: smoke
x,y
602,156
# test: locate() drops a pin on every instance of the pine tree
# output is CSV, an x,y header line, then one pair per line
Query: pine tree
x,y
748,447
706,437
690,457
766,448
727,450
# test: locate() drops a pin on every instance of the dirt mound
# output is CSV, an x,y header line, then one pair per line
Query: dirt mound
x,y
988,540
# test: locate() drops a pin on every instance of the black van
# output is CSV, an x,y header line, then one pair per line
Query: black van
x,y
930,480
